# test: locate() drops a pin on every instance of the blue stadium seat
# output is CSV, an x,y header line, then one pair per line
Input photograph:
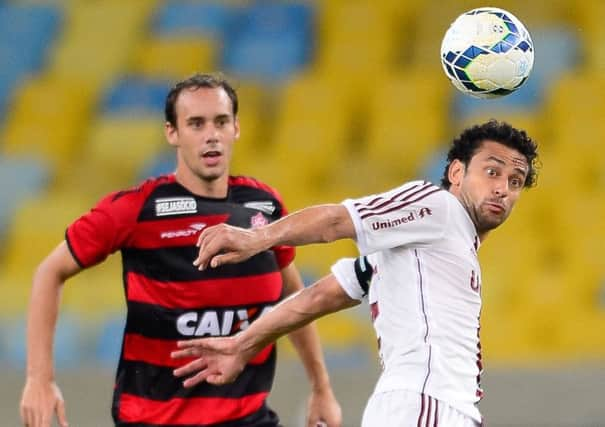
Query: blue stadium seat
x,y
29,27
32,176
136,96
163,164
8,81
434,167
274,17
109,341
207,19
272,41
26,32
67,346
557,49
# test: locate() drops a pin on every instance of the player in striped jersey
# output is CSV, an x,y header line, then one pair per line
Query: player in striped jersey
x,y
419,247
155,227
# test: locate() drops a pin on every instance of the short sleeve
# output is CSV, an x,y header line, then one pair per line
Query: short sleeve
x,y
354,276
415,213
104,229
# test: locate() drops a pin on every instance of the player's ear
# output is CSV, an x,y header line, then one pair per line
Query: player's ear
x,y
236,126
455,173
171,134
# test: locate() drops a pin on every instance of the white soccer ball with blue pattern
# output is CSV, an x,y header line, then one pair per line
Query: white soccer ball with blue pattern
x,y
487,53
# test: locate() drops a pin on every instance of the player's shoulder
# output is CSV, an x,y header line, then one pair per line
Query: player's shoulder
x,y
135,196
420,185
418,191
247,187
141,191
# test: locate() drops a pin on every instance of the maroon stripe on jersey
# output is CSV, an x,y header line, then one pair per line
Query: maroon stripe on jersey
x,y
172,231
188,411
421,410
428,412
401,204
436,413
385,201
426,320
157,352
233,291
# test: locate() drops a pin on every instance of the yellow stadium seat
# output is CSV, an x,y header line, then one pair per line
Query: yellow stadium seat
x,y
49,118
174,58
317,259
100,39
407,121
572,144
97,291
38,227
357,43
582,335
572,103
119,147
311,131
587,16
253,145
581,233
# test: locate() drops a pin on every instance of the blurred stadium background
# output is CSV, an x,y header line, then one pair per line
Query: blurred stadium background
x,y
339,98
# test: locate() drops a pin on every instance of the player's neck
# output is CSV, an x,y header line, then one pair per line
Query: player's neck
x,y
212,188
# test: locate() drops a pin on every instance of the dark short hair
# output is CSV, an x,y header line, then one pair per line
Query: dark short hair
x,y
197,81
464,147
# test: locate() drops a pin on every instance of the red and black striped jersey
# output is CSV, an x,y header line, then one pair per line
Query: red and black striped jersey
x,y
156,226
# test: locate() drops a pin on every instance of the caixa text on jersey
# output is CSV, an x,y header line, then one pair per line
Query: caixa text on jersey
x,y
217,322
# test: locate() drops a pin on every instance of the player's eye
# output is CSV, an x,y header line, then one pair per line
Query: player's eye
x,y
491,172
516,183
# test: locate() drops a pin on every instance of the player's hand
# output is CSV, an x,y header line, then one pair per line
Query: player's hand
x,y
39,402
219,360
323,409
225,244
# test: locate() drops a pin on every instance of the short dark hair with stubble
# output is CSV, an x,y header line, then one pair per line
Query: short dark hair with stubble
x,y
465,146
210,81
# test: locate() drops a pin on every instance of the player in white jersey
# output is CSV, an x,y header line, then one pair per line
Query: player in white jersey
x,y
418,246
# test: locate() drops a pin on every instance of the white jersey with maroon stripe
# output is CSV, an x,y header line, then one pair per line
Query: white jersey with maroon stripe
x,y
424,293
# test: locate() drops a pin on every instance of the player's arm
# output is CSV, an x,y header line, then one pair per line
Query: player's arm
x,y
223,243
322,405
220,360
41,396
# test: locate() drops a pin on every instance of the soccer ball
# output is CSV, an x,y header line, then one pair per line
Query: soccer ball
x,y
487,53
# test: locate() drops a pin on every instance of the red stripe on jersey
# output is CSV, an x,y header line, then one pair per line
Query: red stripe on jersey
x,y
233,291
173,232
157,352
189,411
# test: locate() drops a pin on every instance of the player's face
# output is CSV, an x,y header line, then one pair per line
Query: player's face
x,y
205,132
491,183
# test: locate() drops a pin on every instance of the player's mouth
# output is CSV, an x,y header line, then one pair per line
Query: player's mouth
x,y
495,207
212,157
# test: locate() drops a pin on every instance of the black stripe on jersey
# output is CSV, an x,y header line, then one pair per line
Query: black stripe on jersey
x,y
264,417
152,321
159,383
72,252
176,264
238,195
364,272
